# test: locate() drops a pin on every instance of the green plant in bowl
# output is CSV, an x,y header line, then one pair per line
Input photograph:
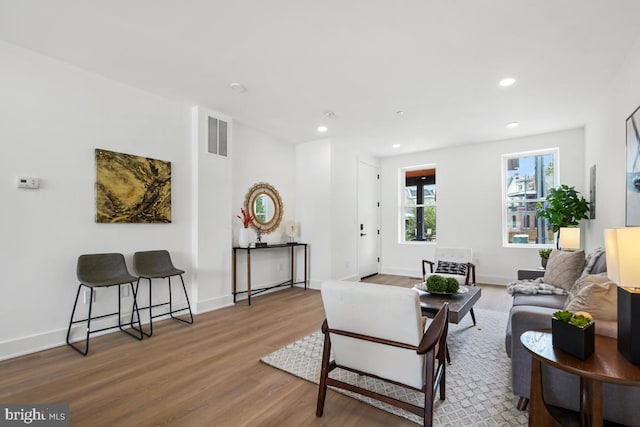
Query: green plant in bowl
x,y
452,285
437,283
440,284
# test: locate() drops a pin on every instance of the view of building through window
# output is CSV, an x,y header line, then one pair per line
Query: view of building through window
x,y
529,176
419,205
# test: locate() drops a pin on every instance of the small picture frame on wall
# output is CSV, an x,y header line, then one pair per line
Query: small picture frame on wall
x,y
633,170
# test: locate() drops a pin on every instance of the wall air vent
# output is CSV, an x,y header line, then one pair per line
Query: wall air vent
x,y
217,137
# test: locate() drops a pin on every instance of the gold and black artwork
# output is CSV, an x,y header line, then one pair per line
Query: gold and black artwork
x,y
132,188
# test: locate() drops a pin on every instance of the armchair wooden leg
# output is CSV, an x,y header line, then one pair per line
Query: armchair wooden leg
x,y
324,373
523,402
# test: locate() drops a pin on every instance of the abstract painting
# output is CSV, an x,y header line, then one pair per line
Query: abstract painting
x,y
633,169
132,189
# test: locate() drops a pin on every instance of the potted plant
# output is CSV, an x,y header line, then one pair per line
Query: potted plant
x,y
573,333
544,256
564,207
243,236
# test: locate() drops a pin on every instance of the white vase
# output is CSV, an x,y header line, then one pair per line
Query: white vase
x,y
244,237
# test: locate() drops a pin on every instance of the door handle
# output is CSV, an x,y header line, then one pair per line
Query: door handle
x,y
363,234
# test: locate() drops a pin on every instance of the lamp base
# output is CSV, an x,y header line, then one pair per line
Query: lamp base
x,y
628,316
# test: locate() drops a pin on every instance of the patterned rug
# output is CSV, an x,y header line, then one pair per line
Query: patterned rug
x,y
478,379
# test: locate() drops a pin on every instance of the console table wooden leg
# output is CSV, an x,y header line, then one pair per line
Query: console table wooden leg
x,y
305,267
538,413
292,267
235,283
249,276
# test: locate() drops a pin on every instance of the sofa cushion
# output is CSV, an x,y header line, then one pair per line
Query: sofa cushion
x,y
596,262
598,299
564,268
584,281
549,301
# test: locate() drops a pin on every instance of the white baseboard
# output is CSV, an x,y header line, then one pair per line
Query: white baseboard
x,y
213,304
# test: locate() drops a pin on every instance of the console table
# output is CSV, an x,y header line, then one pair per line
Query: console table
x,y
606,365
289,282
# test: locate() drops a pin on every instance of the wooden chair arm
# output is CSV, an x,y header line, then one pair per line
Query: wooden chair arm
x,y
424,267
471,275
436,331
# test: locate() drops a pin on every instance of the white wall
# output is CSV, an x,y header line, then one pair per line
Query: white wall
x,y
211,216
605,148
53,117
326,194
261,158
469,209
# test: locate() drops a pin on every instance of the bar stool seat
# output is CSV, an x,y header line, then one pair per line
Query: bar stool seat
x,y
101,271
157,265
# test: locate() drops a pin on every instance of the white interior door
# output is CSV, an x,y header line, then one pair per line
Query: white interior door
x,y
368,219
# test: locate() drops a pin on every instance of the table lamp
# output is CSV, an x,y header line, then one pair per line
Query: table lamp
x,y
569,238
622,246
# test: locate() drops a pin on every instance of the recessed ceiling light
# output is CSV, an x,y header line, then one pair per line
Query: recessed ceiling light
x,y
238,87
400,113
395,146
507,82
513,125
322,129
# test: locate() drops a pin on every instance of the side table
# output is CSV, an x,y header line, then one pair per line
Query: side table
x,y
605,365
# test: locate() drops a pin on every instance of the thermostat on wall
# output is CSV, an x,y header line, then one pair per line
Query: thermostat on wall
x,y
28,182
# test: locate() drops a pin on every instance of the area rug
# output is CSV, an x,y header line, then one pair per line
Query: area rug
x,y
478,379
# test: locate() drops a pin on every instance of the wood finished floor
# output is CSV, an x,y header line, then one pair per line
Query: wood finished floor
x,y
207,374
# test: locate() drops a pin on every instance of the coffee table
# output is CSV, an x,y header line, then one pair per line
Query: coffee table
x,y
459,304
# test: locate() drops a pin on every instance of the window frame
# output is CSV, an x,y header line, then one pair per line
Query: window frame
x,y
402,176
506,217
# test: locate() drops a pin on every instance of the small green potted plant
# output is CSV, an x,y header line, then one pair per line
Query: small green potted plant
x,y
544,256
573,333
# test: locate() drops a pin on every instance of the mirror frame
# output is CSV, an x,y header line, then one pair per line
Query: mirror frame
x,y
249,201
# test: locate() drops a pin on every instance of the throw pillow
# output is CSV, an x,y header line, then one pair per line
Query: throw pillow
x,y
564,268
583,282
450,267
599,299
596,262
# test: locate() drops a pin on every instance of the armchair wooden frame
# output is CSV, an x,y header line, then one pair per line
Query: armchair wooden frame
x,y
432,346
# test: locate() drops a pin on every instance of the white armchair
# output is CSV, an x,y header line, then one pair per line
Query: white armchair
x,y
379,331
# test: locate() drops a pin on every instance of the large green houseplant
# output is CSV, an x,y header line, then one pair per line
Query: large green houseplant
x,y
564,207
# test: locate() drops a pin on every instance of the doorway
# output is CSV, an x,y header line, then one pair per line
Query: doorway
x,y
368,219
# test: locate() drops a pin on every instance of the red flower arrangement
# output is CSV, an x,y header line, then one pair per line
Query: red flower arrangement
x,y
246,219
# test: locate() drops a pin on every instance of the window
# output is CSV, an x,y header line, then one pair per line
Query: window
x,y
527,178
418,206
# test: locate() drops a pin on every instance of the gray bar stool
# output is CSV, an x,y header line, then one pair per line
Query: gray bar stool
x,y
101,271
154,265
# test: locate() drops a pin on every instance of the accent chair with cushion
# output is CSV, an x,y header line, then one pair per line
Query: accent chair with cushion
x,y
378,331
452,262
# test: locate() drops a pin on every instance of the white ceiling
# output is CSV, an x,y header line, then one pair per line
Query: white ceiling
x,y
439,61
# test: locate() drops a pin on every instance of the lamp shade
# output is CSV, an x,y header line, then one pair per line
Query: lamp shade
x,y
569,238
622,248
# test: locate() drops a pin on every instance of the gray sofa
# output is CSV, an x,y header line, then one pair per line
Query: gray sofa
x,y
561,389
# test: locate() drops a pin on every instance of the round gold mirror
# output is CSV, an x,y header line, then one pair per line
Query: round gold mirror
x,y
263,201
